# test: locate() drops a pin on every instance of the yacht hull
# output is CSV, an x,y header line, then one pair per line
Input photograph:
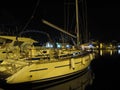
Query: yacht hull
x,y
42,72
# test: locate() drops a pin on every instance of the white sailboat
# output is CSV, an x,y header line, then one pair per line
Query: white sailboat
x,y
44,63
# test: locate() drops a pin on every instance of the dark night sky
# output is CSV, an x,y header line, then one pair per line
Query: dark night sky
x,y
104,19
103,16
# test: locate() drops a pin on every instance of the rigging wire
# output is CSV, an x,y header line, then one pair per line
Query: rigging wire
x,y
87,34
32,16
72,21
84,8
68,12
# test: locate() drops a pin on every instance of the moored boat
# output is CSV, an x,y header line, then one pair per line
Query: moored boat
x,y
28,63
45,66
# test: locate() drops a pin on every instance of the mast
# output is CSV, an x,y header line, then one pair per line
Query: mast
x,y
77,24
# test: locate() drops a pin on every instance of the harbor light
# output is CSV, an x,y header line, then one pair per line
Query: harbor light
x,y
49,45
59,45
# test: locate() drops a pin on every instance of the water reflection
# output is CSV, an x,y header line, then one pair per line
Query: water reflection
x,y
76,82
107,52
106,69
118,51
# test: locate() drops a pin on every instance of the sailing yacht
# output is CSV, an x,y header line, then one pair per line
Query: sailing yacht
x,y
46,63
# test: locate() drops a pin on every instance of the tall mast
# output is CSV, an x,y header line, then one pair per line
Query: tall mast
x,y
77,24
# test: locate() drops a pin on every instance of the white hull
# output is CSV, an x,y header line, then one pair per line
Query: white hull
x,y
40,72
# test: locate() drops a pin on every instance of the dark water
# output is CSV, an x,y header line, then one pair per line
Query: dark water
x,y
103,74
106,68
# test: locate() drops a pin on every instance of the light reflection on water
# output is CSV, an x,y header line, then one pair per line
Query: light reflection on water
x,y
106,67
107,52
119,51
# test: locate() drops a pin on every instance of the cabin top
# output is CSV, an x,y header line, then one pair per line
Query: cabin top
x,y
13,38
